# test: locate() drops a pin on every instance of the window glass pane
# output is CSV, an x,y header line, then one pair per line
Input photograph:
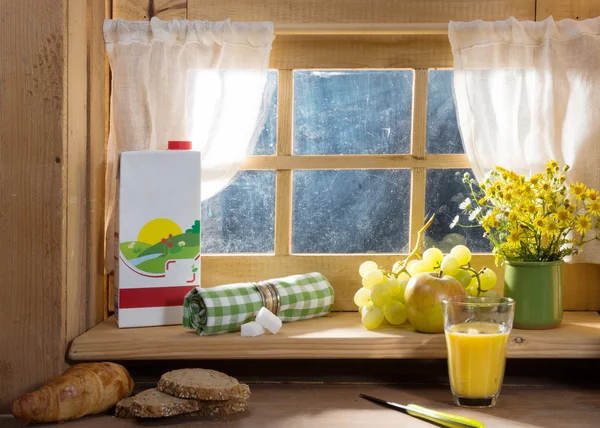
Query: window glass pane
x,y
268,137
352,112
442,127
443,194
241,218
350,211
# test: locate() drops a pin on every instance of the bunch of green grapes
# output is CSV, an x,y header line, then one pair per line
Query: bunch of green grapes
x,y
381,296
458,265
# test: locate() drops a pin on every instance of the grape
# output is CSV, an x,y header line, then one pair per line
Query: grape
x,y
395,313
411,263
473,283
491,293
366,267
454,239
450,266
372,317
361,297
395,287
403,277
421,266
464,277
462,254
396,266
372,278
488,279
380,295
433,256
472,290
368,305
400,297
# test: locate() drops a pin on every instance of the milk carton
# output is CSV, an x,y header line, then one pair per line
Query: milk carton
x,y
159,234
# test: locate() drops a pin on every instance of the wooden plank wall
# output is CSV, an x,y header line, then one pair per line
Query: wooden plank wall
x,y
51,181
32,175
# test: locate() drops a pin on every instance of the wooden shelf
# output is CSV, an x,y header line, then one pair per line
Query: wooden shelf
x,y
337,336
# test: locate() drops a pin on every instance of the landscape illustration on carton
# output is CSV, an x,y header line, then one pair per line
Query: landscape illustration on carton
x,y
159,242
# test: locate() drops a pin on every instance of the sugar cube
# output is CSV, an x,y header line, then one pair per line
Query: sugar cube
x,y
252,329
268,320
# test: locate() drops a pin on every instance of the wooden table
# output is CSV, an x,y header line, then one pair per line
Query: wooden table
x,y
323,406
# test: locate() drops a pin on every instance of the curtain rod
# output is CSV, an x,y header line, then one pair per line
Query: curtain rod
x,y
359,29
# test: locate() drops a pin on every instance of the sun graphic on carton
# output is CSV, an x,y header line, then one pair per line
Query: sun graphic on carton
x,y
157,229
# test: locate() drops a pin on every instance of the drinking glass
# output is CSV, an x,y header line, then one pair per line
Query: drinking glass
x,y
477,330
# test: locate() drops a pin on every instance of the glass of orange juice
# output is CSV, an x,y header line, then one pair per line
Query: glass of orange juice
x,y
477,330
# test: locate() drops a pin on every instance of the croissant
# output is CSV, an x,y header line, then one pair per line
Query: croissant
x,y
83,389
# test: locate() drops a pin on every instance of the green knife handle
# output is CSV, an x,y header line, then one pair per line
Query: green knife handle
x,y
441,418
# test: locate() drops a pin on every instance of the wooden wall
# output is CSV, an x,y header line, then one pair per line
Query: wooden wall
x,y
52,133
51,179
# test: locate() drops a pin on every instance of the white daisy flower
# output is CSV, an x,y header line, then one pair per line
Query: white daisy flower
x,y
131,245
474,213
181,243
465,205
454,222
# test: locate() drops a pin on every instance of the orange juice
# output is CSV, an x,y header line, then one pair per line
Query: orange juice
x,y
476,358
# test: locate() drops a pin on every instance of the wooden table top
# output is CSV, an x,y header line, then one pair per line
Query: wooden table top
x,y
320,406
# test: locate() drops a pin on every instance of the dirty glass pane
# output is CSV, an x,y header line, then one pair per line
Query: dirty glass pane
x,y
352,112
443,194
241,218
268,137
442,127
350,211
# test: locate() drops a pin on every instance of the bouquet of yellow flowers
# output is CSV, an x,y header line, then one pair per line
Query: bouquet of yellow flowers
x,y
535,219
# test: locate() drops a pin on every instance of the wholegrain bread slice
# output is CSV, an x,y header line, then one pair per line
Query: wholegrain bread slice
x,y
155,404
200,384
123,408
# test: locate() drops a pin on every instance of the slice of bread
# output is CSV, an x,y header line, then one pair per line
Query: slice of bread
x,y
199,384
123,408
155,404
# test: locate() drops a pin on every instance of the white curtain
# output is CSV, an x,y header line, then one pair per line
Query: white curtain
x,y
186,80
527,92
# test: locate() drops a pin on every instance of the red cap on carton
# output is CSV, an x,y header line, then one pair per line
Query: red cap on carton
x,y
180,145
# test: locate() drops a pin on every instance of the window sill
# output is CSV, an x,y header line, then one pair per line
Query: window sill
x,y
337,336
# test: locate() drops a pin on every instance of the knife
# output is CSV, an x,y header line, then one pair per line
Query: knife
x,y
440,418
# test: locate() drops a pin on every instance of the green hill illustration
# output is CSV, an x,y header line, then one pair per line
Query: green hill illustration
x,y
150,257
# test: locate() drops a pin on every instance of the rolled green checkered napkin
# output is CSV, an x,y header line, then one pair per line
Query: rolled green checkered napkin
x,y
225,308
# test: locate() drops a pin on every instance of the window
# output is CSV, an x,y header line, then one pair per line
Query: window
x,y
354,174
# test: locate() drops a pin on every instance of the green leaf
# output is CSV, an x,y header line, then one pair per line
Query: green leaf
x,y
195,270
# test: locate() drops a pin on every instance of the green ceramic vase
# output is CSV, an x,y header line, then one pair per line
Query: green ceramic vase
x,y
536,288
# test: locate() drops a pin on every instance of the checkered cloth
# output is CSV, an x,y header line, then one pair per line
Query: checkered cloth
x,y
225,308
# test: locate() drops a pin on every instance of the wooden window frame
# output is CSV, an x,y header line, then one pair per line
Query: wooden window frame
x,y
341,269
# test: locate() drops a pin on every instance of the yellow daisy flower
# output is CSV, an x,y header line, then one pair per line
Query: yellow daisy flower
x,y
592,195
551,228
535,179
563,216
514,237
540,223
593,207
579,190
583,223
